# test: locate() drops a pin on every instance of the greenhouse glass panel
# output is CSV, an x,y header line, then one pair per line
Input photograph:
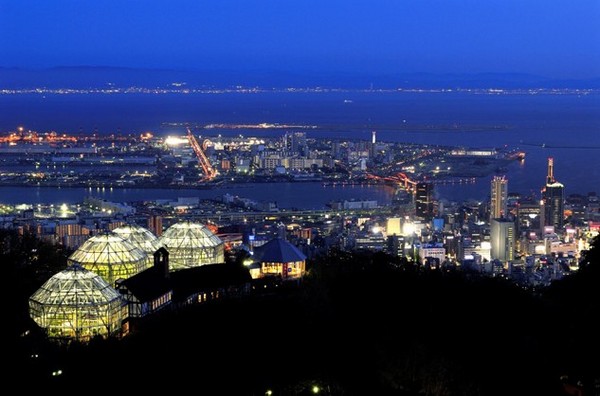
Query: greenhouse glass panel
x,y
77,304
111,257
141,238
192,245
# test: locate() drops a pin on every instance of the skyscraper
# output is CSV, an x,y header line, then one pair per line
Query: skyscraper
x,y
373,145
553,196
296,142
424,200
502,236
395,245
499,195
529,216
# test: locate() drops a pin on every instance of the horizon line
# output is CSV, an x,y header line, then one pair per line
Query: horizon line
x,y
298,72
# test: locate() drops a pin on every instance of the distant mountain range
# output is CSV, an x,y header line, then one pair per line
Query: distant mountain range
x,y
101,77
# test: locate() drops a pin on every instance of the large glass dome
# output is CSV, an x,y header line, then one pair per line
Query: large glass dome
x,y
140,238
192,245
77,304
111,257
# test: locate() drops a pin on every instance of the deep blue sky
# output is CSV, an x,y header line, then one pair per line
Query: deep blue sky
x,y
552,38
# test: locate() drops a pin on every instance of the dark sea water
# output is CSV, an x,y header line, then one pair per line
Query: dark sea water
x,y
286,195
567,125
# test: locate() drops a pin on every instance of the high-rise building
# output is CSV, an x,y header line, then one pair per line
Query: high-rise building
x,y
424,200
71,235
529,216
373,146
395,245
155,224
550,177
394,226
296,142
502,236
553,197
498,197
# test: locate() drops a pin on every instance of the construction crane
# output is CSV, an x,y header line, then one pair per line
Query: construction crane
x,y
209,172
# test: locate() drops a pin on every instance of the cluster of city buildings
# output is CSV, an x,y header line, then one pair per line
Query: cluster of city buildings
x,y
532,240
134,271
51,159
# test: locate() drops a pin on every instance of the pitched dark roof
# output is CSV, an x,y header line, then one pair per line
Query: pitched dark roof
x,y
186,282
148,284
278,251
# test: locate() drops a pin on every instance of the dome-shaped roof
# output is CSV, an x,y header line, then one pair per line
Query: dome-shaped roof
x,y
111,257
140,237
76,303
189,235
192,245
75,286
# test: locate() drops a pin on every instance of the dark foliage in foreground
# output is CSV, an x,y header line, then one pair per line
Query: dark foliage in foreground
x,y
365,324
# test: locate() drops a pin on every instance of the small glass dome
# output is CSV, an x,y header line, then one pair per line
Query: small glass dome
x,y
192,245
140,237
77,304
111,257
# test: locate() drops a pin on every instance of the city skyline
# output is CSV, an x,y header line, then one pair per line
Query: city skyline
x,y
556,40
301,197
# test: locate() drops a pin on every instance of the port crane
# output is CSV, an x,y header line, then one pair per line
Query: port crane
x,y
209,172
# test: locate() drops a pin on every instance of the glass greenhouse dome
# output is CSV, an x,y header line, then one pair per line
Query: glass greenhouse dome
x,y
192,245
111,257
77,304
141,238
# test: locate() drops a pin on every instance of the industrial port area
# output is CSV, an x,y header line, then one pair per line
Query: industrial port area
x,y
194,159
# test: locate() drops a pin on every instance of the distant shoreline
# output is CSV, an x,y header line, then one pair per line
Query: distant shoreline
x,y
551,146
134,90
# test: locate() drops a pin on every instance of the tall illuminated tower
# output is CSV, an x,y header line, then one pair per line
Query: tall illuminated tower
x,y
550,177
502,235
499,195
553,197
424,200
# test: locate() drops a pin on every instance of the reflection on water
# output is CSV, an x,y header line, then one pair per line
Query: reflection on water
x,y
561,121
309,195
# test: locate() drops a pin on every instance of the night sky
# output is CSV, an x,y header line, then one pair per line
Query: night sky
x,y
550,38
